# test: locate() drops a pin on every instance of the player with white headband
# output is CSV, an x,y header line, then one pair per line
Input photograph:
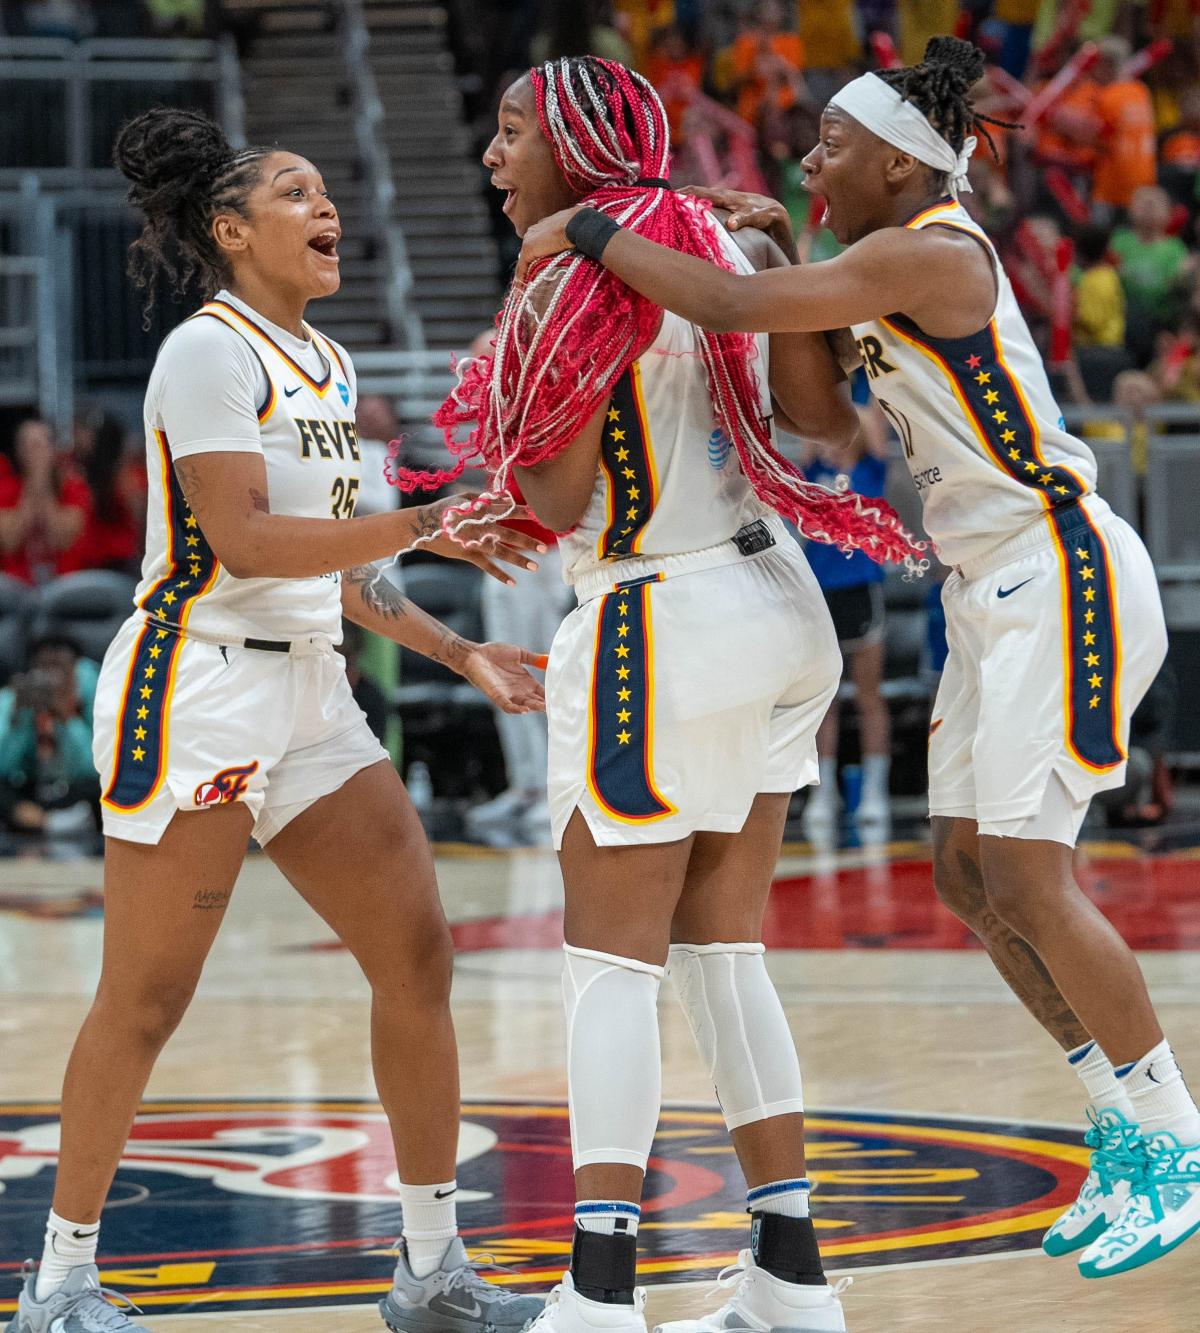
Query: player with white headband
x,y
1053,613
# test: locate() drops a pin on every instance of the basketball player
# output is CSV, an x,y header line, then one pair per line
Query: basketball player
x,y
223,711
1053,614
685,690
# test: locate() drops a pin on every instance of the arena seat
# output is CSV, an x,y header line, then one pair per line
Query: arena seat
x,y
17,602
89,607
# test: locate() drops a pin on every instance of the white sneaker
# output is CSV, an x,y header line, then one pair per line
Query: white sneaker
x,y
874,811
568,1312
821,814
535,824
1116,1160
763,1303
505,809
1161,1212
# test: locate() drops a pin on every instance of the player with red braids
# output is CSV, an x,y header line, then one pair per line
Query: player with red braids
x,y
685,690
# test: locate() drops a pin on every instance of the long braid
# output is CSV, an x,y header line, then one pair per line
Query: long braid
x,y
567,335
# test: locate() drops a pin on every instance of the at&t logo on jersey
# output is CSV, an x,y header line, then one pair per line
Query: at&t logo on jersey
x,y
227,785
719,448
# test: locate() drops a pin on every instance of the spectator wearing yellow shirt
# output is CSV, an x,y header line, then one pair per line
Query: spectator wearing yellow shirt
x,y
919,20
832,45
1099,319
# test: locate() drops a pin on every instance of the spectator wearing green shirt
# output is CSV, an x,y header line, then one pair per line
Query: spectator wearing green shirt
x,y
48,782
1154,270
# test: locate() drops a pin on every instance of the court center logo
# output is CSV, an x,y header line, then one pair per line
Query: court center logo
x,y
220,1206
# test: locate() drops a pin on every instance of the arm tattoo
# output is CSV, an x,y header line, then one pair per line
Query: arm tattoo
x,y
429,520
450,650
1013,957
189,481
378,595
260,501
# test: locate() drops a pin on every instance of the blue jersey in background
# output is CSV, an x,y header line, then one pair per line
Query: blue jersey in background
x,y
832,568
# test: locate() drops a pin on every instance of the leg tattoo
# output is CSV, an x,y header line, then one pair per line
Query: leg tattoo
x,y
1013,956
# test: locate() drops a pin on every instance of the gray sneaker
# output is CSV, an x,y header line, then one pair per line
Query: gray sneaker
x,y
453,1299
80,1305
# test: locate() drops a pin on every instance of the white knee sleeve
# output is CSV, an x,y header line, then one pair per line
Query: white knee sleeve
x,y
614,1065
740,1029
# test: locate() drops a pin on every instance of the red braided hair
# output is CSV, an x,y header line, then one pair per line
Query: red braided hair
x,y
571,330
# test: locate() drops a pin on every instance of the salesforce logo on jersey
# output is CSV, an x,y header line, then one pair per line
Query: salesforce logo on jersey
x,y
344,390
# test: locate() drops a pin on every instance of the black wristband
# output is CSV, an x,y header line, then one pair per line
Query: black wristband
x,y
589,231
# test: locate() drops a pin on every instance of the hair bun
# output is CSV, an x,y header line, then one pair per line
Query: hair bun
x,y
964,59
166,153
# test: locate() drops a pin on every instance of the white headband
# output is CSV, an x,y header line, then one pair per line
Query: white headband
x,y
884,112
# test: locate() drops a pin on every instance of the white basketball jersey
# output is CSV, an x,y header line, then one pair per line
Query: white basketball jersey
x,y
305,432
669,481
982,435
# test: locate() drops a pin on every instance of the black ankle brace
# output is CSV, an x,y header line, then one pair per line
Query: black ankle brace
x,y
604,1267
786,1247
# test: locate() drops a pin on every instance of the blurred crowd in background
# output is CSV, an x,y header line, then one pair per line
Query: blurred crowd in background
x,y
1092,197
1093,201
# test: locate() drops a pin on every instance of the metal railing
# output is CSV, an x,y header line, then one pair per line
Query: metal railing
x,y
368,113
66,100
35,294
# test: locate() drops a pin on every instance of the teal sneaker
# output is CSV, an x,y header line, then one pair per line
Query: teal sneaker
x,y
1161,1212
1117,1157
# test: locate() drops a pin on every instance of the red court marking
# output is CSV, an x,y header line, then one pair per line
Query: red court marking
x,y
1152,900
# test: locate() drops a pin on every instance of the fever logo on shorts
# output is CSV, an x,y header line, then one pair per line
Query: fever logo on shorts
x,y
228,785
223,1206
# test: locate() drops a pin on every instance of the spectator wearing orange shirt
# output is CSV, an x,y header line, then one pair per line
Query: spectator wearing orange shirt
x,y
677,73
1179,152
767,63
1127,156
44,507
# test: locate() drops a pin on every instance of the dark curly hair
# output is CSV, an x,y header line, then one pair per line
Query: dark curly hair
x,y
182,172
940,88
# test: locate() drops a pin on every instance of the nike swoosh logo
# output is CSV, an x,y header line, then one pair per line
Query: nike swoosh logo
x,y
89,1235
445,1194
1149,1075
473,1312
288,393
1008,592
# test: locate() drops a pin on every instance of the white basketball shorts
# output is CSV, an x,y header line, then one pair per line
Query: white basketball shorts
x,y
1054,638
681,690
186,724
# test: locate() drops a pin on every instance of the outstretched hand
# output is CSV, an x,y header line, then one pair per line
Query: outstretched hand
x,y
490,542
545,239
499,671
759,211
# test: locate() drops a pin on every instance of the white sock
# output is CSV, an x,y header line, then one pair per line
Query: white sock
x,y
1161,1101
430,1224
788,1198
608,1217
1099,1078
68,1245
614,1065
875,771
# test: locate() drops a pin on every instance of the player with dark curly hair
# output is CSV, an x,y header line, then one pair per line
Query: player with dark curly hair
x,y
1053,613
223,710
